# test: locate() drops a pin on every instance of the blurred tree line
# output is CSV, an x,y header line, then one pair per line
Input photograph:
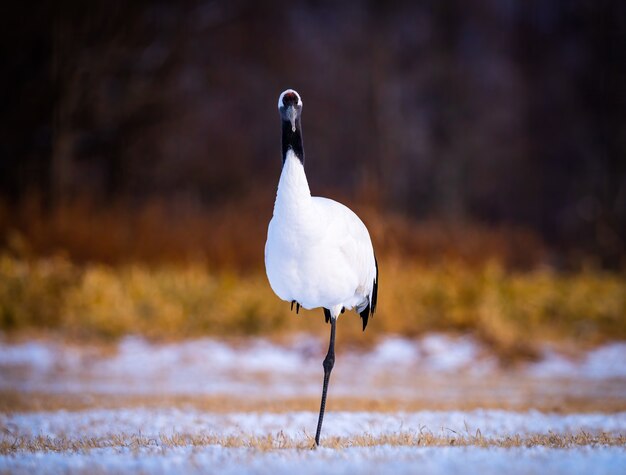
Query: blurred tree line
x,y
490,111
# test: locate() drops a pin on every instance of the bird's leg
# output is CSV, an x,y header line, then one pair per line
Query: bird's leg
x,y
329,362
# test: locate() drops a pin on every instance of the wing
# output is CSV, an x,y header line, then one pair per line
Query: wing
x,y
356,252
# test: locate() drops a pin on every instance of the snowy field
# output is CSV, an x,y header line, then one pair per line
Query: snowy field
x,y
435,405
187,441
377,460
396,367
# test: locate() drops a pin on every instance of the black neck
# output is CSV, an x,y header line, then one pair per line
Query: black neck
x,y
292,140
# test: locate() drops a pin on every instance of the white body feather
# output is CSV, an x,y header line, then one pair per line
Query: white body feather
x,y
318,252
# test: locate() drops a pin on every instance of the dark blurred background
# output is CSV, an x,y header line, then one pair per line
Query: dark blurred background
x,y
149,130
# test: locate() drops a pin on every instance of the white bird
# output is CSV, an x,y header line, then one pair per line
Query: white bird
x,y
318,252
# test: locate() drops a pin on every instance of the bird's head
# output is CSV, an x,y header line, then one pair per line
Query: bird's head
x,y
290,107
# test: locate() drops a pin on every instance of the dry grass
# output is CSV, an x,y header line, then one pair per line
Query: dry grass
x,y
13,401
280,441
176,270
231,235
508,310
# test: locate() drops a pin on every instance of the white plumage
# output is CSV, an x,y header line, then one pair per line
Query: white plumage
x,y
318,252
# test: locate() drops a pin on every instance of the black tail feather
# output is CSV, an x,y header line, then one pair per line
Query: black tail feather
x,y
375,289
365,315
371,308
327,315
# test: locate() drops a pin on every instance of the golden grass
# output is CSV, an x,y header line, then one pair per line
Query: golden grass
x,y
280,441
231,234
508,310
14,401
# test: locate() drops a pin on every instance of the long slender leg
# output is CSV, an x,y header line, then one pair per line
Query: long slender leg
x,y
329,362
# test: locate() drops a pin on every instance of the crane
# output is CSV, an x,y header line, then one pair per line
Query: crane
x,y
318,252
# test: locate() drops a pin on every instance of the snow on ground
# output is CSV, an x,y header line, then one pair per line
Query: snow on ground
x,y
434,368
374,460
608,361
159,459
395,367
154,422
